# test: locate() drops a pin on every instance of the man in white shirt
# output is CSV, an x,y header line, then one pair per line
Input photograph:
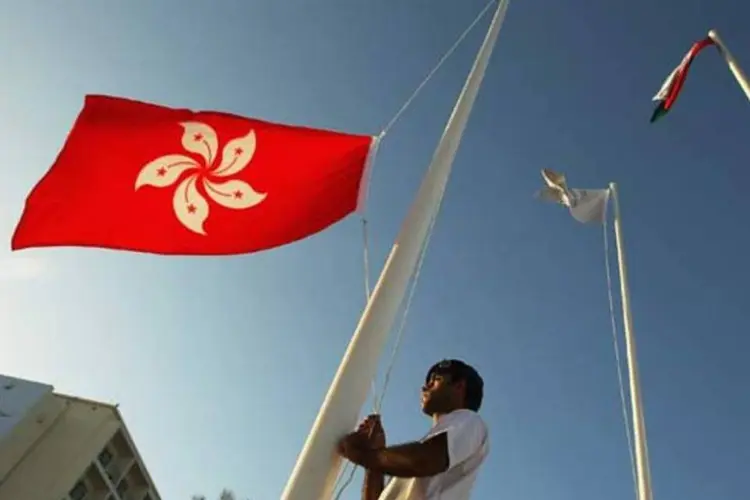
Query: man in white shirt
x,y
444,464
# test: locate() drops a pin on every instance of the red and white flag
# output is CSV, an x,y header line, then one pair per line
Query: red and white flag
x,y
670,89
142,177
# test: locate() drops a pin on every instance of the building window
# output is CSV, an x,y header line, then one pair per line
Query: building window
x,y
122,487
79,491
105,457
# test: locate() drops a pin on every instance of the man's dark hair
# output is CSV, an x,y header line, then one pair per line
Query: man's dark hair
x,y
458,371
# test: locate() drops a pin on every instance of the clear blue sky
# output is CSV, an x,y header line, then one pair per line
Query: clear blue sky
x,y
220,364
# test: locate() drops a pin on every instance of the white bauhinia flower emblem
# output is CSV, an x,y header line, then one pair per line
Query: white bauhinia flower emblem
x,y
190,206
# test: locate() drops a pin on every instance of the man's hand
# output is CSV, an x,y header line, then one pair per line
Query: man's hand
x,y
369,436
420,459
374,482
352,446
372,427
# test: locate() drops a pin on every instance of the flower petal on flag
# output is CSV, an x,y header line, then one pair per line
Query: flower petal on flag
x,y
233,194
201,139
164,171
190,207
236,155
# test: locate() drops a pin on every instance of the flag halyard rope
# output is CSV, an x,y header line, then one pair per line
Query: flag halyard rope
x,y
618,362
378,399
437,67
392,122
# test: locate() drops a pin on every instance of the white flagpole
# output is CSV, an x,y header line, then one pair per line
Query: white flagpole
x,y
734,67
643,473
314,475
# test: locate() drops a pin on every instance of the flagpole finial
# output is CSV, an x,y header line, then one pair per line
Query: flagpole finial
x,y
713,35
734,67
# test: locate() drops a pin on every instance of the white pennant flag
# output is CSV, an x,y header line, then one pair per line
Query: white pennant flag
x,y
585,205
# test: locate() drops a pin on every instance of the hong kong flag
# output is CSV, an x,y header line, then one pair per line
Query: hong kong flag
x,y
141,177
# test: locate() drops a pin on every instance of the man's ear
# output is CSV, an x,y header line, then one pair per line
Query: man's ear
x,y
460,387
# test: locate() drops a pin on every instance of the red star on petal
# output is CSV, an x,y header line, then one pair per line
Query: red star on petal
x,y
238,195
191,208
198,137
161,172
238,151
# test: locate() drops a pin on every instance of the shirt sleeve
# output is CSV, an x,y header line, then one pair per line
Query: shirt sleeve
x,y
466,433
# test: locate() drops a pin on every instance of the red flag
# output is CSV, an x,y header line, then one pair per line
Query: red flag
x,y
141,177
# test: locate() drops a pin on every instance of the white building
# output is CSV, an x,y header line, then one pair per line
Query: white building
x,y
56,447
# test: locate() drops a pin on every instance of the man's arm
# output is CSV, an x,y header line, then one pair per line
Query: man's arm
x,y
369,435
419,459
373,485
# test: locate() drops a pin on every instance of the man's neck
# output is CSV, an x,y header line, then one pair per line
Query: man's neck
x,y
437,416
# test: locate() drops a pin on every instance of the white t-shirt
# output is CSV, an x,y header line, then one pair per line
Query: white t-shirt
x,y
468,445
